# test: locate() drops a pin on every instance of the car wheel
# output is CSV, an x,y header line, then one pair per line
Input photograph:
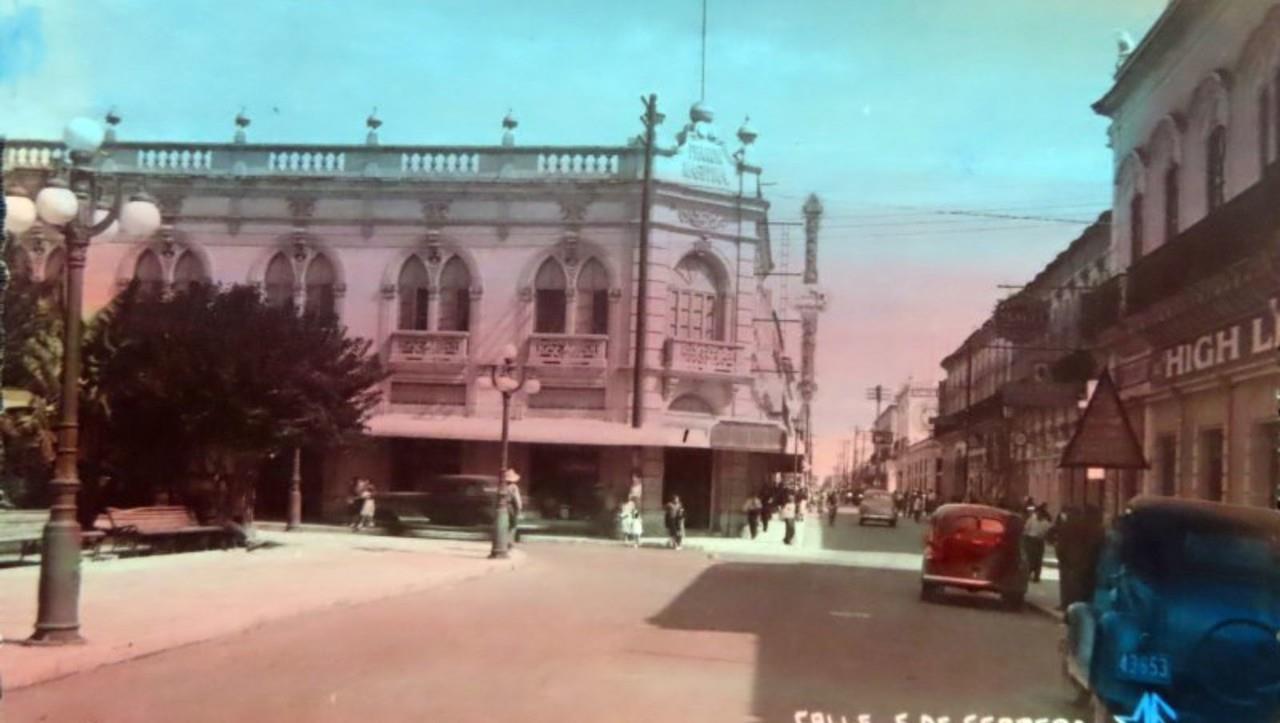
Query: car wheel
x,y
928,592
893,523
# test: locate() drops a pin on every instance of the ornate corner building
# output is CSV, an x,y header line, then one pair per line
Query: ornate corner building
x,y
445,255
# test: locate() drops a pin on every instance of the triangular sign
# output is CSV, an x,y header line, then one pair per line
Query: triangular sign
x,y
1104,437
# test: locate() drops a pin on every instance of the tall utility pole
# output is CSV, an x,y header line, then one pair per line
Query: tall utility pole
x,y
650,119
968,416
876,393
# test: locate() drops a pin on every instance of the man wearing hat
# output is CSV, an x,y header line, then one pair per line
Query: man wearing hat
x,y
514,503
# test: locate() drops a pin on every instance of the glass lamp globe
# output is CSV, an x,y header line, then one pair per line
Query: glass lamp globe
x,y
83,135
532,386
109,232
139,218
20,214
507,385
56,205
484,381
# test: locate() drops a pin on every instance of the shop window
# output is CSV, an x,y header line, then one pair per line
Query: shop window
x,y
149,275
415,294
1216,168
320,279
279,282
1267,465
455,296
1167,464
592,299
550,298
1213,462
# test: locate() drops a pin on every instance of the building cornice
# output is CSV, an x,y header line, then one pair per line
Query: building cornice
x,y
1164,35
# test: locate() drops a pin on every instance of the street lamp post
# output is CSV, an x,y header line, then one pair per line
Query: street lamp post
x,y
509,377
69,204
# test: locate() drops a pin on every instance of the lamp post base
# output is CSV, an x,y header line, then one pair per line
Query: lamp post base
x,y
58,619
501,548
53,637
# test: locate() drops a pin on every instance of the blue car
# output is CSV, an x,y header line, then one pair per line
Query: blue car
x,y
1186,607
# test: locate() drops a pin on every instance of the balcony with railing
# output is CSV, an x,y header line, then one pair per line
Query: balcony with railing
x,y
701,358
1100,308
340,161
425,351
569,351
1238,230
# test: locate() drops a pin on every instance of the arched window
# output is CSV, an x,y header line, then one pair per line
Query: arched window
x,y
550,298
320,279
55,274
691,404
1264,129
415,294
697,301
1135,228
149,274
592,299
1215,169
1172,188
455,296
188,273
55,266
279,282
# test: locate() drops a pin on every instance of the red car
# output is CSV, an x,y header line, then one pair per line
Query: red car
x,y
975,548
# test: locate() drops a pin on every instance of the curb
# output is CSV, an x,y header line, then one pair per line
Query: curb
x,y
1047,609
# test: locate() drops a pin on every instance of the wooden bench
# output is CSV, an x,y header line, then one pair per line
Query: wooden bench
x,y
29,539
158,525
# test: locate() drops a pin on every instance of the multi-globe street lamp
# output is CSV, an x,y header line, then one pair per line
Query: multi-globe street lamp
x,y
70,203
509,377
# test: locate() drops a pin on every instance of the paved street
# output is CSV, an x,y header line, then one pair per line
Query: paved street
x,y
599,632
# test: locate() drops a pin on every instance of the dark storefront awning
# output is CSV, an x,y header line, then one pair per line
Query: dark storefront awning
x,y
749,437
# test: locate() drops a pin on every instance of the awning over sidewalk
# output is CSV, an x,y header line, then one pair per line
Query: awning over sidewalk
x,y
539,430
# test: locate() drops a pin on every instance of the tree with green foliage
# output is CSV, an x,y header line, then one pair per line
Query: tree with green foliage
x,y
182,386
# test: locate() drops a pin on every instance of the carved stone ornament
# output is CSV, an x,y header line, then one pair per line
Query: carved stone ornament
x,y
300,250
569,250
170,204
615,294
302,208
526,294
573,209
702,245
435,213
701,218
504,232
476,293
434,255
388,291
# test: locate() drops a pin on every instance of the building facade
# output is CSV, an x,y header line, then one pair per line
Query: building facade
x,y
1189,324
445,255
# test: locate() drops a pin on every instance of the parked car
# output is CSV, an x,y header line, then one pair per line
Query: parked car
x,y
452,500
877,505
1186,605
975,548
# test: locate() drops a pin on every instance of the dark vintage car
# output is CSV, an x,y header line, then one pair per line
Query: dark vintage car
x,y
975,548
877,505
1186,606
453,500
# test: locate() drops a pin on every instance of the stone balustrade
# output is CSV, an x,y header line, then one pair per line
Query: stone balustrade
x,y
428,347
570,351
703,358
354,161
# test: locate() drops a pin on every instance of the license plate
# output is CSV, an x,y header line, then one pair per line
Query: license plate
x,y
1150,668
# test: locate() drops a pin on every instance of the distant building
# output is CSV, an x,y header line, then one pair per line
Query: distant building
x,y
1190,321
444,255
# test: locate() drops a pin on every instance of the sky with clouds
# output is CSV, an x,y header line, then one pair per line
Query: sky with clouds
x,y
890,110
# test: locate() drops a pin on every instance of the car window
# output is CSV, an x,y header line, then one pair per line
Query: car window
x,y
1230,553
953,525
991,526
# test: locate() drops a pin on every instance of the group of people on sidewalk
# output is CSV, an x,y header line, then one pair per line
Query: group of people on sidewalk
x,y
360,503
759,509
915,503
1077,536
631,521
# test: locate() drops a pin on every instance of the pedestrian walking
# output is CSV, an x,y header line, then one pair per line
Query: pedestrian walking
x,y
675,522
766,513
355,501
1034,534
515,505
917,506
788,514
367,505
833,507
752,509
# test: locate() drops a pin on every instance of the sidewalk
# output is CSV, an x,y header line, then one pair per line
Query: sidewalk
x,y
138,606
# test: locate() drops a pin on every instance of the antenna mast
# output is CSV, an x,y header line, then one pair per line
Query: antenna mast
x,y
702,91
